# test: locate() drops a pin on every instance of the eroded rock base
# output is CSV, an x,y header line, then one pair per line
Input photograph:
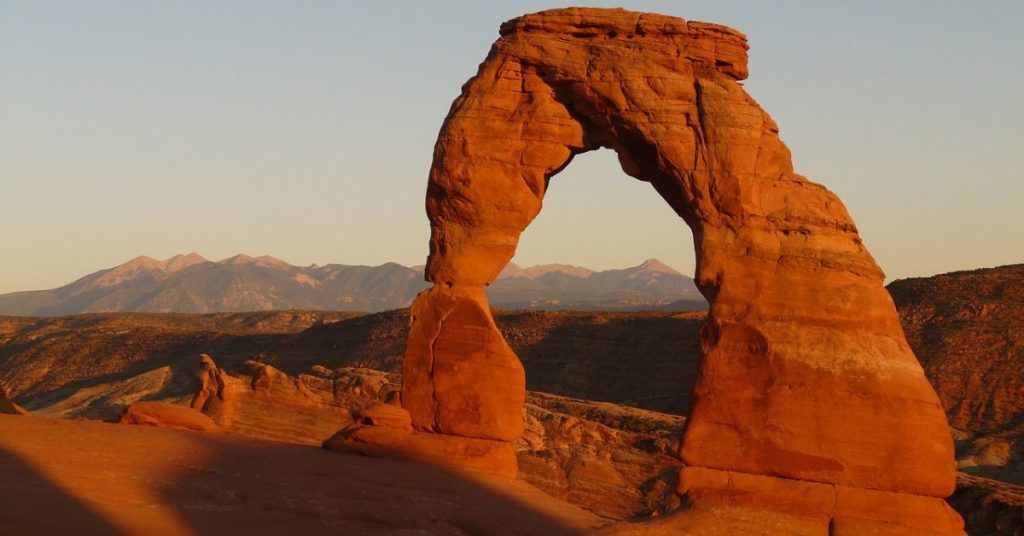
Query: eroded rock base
x,y
758,504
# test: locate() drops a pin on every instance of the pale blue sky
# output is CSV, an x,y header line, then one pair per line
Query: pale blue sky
x,y
304,130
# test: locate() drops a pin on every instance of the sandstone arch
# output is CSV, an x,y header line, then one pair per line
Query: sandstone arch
x,y
810,403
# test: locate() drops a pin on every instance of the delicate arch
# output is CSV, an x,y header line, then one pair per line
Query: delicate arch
x,y
807,385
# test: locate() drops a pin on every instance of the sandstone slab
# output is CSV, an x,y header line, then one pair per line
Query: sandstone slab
x,y
166,415
451,452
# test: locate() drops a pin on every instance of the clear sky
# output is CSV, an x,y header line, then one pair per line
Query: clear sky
x,y
304,130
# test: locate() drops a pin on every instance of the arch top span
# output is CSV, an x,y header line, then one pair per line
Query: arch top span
x,y
809,397
712,45
659,91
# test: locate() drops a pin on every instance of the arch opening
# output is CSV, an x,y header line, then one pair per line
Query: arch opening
x,y
596,217
638,295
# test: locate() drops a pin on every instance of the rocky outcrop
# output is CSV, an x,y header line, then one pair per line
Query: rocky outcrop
x,y
808,391
616,461
44,360
167,415
266,403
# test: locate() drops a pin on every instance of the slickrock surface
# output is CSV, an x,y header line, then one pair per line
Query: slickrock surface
x,y
615,461
807,382
142,480
167,415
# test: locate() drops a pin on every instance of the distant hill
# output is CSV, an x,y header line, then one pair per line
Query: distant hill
x,y
193,284
968,331
650,286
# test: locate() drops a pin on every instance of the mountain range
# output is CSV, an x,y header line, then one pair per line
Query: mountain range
x,y
192,284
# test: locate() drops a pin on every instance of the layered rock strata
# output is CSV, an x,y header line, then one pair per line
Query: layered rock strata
x,y
807,387
266,403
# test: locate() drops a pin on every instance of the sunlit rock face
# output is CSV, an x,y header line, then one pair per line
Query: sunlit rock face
x,y
810,413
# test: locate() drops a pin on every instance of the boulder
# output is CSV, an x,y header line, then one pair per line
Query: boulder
x,y
266,403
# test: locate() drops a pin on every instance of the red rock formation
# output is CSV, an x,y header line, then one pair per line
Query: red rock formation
x,y
616,461
167,415
266,403
807,385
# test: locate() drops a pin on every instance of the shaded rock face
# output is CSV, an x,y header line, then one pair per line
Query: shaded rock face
x,y
968,329
990,507
8,407
806,385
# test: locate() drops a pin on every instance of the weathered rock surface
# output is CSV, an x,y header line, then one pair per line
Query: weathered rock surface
x,y
968,330
616,461
143,480
266,403
806,376
167,415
